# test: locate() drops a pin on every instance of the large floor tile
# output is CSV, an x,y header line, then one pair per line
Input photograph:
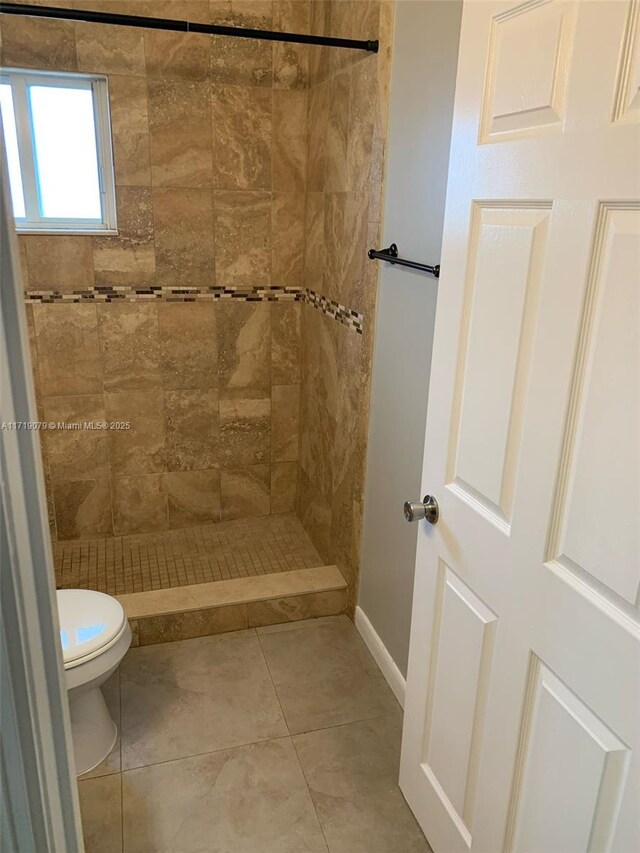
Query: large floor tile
x,y
352,772
194,696
325,675
101,810
251,799
111,764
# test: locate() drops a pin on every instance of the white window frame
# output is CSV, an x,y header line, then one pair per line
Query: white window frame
x,y
19,79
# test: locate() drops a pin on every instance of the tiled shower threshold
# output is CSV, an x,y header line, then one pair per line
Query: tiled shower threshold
x,y
179,584
199,610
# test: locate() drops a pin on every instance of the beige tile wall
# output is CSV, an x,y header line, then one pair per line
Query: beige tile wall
x,y
237,162
347,119
210,158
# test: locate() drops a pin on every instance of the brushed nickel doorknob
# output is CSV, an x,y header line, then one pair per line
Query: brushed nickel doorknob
x,y
428,509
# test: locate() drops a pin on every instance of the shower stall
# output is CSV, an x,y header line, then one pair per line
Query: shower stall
x,y
204,371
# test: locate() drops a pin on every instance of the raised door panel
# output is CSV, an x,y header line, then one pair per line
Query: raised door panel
x,y
529,56
505,270
571,773
460,673
596,533
627,105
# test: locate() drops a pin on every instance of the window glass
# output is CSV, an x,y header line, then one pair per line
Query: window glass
x,y
66,157
11,145
58,142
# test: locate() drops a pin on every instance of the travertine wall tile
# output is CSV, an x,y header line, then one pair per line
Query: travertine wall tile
x,y
291,61
242,13
44,44
193,497
110,50
129,345
245,491
241,138
76,454
181,56
82,508
285,343
128,100
242,238
290,66
69,358
316,255
180,133
238,163
289,144
337,134
129,257
284,487
317,438
347,118
139,504
285,410
245,426
317,136
315,514
287,237
139,449
241,62
170,627
188,345
184,10
58,261
183,222
191,429
293,608
244,345
346,233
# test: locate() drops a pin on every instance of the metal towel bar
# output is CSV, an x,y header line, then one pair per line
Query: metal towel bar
x,y
391,256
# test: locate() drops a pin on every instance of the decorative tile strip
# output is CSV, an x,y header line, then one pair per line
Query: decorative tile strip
x,y
330,308
273,293
126,293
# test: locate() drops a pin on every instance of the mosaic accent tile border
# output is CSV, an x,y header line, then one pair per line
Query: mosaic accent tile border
x,y
126,293
273,293
330,308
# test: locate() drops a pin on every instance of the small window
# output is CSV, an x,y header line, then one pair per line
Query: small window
x,y
58,143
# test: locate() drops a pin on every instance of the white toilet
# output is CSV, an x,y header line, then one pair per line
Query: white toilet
x,y
95,636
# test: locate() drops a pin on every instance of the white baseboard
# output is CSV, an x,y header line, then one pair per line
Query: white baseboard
x,y
394,678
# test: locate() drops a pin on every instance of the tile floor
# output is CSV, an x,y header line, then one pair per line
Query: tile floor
x,y
283,739
171,558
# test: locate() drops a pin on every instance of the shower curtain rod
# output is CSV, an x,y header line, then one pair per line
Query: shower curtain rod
x,y
181,26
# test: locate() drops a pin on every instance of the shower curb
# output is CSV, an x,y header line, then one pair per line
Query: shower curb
x,y
198,610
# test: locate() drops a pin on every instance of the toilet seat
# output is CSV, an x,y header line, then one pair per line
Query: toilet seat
x,y
90,624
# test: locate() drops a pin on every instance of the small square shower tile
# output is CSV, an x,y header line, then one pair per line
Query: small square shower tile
x,y
174,558
196,696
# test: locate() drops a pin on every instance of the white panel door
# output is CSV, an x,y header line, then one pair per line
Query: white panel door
x,y
522,717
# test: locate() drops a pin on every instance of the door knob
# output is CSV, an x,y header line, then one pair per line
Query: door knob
x,y
414,510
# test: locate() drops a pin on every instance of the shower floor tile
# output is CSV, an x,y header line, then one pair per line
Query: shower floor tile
x,y
173,558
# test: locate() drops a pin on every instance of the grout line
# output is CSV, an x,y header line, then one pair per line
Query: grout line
x,y
313,803
264,655
206,752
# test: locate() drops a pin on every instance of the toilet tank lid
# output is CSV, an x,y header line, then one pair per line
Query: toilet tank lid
x,y
89,620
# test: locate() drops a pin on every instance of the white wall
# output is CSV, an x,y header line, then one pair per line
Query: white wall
x,y
422,91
